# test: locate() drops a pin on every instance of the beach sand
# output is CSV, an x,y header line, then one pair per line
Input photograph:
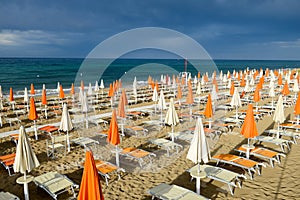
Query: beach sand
x,y
280,182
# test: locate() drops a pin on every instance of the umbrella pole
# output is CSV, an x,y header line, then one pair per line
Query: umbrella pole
x,y
68,142
191,112
122,127
46,115
26,193
272,102
35,130
236,112
117,156
86,120
173,133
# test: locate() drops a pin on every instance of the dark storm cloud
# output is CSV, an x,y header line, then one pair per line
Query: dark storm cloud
x,y
226,28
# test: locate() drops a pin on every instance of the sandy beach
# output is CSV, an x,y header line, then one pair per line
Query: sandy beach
x,y
280,182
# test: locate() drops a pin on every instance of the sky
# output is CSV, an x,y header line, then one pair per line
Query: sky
x,y
227,29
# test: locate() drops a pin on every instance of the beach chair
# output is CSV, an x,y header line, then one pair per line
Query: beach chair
x,y
294,135
8,161
137,154
49,129
84,141
165,192
8,196
99,122
232,179
55,184
290,126
56,143
105,169
136,130
263,153
12,120
186,136
244,163
166,145
277,141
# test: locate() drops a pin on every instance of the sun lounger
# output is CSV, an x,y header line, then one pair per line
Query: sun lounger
x,y
84,141
186,136
165,192
49,129
105,169
137,154
8,196
99,122
14,137
294,135
166,145
8,161
244,163
136,130
277,141
263,153
223,175
54,184
290,126
12,120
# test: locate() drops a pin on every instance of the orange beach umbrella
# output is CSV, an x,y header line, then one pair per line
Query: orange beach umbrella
x,y
32,91
285,91
72,91
33,115
249,129
208,108
61,92
232,88
11,95
44,97
90,187
113,136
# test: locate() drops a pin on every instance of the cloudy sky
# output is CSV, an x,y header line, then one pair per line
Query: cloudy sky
x,y
227,29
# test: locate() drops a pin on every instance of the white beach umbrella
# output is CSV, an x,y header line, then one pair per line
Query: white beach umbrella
x,y
296,87
101,86
66,123
224,78
155,97
80,95
1,93
25,159
90,90
96,88
161,104
279,113
221,75
172,117
195,80
199,149
236,101
134,89
247,86
252,81
58,87
229,83
85,108
26,97
44,87
272,93
202,80
198,91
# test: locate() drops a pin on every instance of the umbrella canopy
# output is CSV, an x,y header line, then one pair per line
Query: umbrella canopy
x,y
11,95
232,88
236,101
189,98
155,95
90,90
113,136
297,106
66,122
162,101
96,88
199,149
72,91
44,97
296,86
82,85
32,91
25,159
26,98
1,93
249,129
121,107
179,92
101,84
124,96
90,187
256,97
61,92
285,91
208,108
84,103
279,113
32,111
172,117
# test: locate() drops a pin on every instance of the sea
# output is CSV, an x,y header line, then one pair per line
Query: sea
x,y
19,73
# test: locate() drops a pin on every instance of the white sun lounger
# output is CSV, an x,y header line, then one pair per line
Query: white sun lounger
x,y
137,154
8,196
186,136
173,192
244,163
278,141
84,141
54,183
166,144
223,175
294,135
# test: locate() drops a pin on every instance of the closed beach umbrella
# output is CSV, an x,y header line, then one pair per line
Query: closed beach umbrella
x,y
295,87
85,108
82,85
90,90
249,129
297,108
1,93
179,93
232,88
11,95
44,101
111,94
236,101
199,149
155,97
121,112
113,136
72,91
172,117
101,86
33,115
25,159
32,91
190,98
161,104
61,92
90,187
256,97
272,93
58,87
279,113
208,112
26,98
66,123
285,91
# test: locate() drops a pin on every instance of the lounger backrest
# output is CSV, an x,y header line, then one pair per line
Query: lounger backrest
x,y
60,138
